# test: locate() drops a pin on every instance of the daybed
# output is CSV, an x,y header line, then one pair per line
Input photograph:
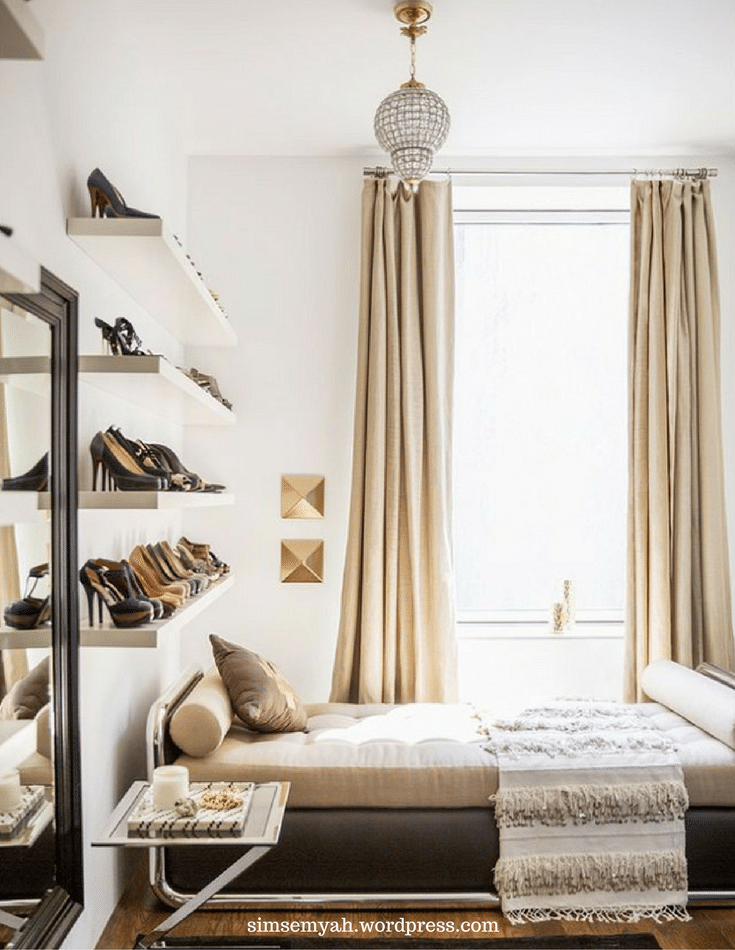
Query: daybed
x,y
391,802
25,715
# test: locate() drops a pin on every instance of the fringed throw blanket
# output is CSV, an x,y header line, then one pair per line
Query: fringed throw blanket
x,y
590,809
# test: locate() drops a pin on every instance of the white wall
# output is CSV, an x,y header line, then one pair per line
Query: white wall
x,y
281,238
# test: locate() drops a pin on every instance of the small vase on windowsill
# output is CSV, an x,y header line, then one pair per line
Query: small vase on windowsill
x,y
558,619
570,607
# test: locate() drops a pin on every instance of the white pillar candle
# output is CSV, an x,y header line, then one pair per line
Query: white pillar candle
x,y
170,782
9,790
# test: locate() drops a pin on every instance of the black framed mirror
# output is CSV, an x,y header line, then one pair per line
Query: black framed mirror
x,y
44,918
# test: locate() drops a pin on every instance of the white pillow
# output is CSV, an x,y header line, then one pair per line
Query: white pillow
x,y
44,738
699,699
204,718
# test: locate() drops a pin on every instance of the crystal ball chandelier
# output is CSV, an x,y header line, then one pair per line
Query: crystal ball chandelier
x,y
413,122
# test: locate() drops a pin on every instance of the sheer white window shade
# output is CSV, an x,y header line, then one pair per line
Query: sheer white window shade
x,y
540,445
541,197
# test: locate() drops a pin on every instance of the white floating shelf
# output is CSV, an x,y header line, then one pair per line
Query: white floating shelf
x,y
147,262
31,373
108,635
19,507
156,385
21,37
148,636
11,639
19,272
152,500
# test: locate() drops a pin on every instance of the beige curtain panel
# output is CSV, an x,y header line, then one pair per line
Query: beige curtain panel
x,y
396,638
679,604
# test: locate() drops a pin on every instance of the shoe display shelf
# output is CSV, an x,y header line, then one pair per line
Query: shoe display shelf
x,y
150,635
19,272
21,36
107,634
30,373
150,382
12,639
19,507
151,500
145,259
152,267
156,385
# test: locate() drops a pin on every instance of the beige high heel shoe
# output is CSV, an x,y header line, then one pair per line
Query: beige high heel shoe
x,y
174,594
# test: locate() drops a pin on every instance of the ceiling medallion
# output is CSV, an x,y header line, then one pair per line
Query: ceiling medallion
x,y
413,122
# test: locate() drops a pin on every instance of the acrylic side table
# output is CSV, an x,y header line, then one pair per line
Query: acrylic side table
x,y
261,833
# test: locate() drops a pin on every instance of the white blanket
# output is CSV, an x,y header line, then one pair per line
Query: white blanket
x,y
590,809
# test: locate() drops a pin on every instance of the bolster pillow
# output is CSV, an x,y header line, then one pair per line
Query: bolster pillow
x,y
203,719
44,739
703,701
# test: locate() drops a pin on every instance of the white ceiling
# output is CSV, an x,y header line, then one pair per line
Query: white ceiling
x,y
303,77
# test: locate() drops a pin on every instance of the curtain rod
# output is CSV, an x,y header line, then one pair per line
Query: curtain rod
x,y
697,173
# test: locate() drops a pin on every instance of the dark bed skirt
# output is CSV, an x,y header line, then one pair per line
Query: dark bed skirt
x,y
410,851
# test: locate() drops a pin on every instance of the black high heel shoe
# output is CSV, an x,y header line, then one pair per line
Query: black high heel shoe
x,y
152,459
124,611
119,468
181,478
108,201
121,338
35,479
136,459
128,340
108,335
121,575
167,574
31,611
177,467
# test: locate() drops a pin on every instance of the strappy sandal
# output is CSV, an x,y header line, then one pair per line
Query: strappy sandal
x,y
206,554
129,341
30,611
209,383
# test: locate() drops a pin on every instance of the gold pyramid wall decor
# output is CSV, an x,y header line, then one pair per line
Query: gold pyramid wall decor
x,y
302,496
302,561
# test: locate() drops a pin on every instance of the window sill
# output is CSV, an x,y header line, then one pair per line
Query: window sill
x,y
522,631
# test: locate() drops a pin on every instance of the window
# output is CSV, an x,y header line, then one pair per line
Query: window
x,y
540,450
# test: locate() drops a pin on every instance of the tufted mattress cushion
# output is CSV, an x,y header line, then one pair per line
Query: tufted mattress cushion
x,y
708,764
418,756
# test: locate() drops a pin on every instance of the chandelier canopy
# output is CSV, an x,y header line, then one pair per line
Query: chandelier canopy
x,y
413,122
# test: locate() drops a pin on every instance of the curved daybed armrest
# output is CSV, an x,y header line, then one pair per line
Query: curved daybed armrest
x,y
159,748
717,673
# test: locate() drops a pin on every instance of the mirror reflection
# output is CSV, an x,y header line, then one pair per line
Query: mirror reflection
x,y
27,848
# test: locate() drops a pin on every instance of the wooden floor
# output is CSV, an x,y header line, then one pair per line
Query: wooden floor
x,y
138,912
